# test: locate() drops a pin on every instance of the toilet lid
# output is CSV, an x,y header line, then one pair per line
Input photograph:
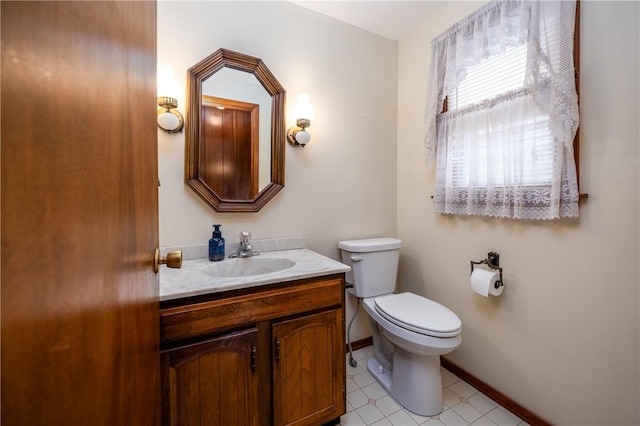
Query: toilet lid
x,y
418,314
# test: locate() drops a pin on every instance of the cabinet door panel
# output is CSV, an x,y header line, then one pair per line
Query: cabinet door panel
x,y
212,383
309,369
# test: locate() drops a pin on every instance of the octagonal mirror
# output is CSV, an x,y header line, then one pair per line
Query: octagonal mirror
x,y
235,132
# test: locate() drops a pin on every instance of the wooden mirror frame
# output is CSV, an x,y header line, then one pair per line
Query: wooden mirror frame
x,y
195,77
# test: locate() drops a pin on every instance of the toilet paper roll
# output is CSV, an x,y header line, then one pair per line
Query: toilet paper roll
x,y
484,281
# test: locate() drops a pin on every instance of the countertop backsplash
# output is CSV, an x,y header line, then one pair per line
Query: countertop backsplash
x,y
260,246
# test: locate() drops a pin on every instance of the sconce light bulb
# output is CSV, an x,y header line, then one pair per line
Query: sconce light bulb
x,y
302,137
298,136
166,120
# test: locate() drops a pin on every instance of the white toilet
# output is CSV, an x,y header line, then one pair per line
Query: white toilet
x,y
410,332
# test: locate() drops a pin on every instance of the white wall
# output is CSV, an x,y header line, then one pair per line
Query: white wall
x,y
563,339
343,184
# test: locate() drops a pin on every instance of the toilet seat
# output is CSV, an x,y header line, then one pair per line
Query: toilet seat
x,y
418,314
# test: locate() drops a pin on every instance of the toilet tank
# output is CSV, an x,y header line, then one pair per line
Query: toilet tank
x,y
374,265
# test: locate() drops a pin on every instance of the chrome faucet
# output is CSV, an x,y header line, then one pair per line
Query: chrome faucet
x,y
245,249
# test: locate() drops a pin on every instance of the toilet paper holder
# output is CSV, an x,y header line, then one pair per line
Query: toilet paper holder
x,y
493,262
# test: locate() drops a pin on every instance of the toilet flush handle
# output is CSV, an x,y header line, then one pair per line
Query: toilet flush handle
x,y
356,259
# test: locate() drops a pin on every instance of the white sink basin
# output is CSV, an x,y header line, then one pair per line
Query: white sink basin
x,y
248,266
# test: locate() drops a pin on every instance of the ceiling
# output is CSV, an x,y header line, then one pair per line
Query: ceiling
x,y
391,19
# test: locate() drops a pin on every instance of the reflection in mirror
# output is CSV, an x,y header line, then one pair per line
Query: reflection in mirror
x,y
245,87
234,132
229,147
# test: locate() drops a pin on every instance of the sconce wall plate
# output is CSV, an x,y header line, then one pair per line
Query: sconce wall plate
x,y
169,118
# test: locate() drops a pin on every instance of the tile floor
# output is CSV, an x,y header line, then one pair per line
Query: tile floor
x,y
369,404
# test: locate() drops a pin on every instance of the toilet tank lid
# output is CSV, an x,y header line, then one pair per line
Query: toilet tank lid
x,y
370,244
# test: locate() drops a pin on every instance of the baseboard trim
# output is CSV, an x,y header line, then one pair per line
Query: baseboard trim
x,y
497,396
359,344
494,394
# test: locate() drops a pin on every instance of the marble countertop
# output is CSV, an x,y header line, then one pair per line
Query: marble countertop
x,y
191,281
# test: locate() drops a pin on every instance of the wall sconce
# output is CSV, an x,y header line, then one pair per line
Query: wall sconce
x,y
169,118
298,136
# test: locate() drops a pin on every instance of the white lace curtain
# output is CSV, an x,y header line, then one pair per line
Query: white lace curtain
x,y
504,146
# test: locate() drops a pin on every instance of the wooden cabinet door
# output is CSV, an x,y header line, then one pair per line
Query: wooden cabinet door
x,y
309,369
212,382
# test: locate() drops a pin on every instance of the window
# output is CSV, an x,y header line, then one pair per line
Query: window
x,y
504,145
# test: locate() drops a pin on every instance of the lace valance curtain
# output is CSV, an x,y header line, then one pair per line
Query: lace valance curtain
x,y
504,145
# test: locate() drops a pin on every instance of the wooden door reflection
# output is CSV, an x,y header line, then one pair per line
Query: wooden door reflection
x,y
229,150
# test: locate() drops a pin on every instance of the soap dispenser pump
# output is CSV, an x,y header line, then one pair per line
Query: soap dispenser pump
x,y
216,245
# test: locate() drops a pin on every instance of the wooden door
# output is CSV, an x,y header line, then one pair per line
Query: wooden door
x,y
229,148
80,318
212,383
309,369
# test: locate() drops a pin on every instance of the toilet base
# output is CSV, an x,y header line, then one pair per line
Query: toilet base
x,y
418,379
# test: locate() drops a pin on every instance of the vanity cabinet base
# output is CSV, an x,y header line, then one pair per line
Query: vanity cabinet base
x,y
271,356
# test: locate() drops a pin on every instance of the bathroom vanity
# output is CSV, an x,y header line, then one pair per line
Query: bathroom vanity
x,y
254,350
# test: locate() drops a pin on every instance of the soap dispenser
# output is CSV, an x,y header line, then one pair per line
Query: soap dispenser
x,y
216,245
